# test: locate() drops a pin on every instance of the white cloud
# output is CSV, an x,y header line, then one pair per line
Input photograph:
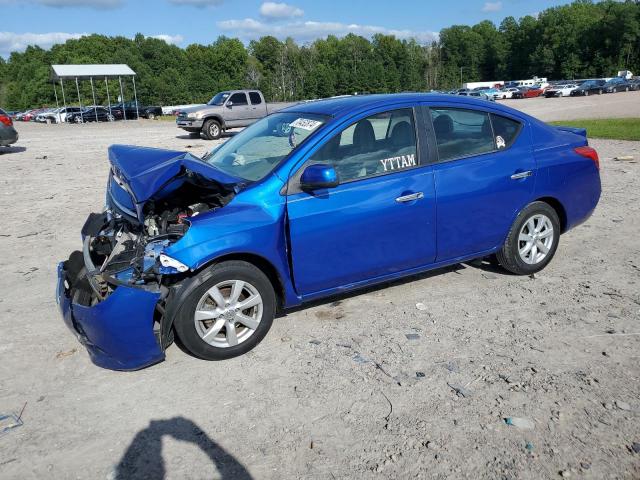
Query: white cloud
x,y
197,3
100,4
492,7
275,11
249,29
18,42
171,39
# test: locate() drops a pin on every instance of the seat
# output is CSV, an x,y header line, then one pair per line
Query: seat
x,y
402,135
364,138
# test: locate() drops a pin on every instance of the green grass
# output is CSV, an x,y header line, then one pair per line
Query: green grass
x,y
613,128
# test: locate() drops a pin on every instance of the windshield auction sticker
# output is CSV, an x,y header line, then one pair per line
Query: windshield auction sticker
x,y
305,124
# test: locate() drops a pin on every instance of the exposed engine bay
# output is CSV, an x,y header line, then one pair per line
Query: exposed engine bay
x,y
121,250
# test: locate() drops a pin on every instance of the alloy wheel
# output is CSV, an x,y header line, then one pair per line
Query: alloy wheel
x,y
214,130
228,313
535,239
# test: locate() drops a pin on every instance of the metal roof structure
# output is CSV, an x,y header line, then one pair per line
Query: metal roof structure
x,y
59,73
85,72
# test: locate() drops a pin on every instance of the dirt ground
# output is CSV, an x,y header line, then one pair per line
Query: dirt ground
x,y
362,386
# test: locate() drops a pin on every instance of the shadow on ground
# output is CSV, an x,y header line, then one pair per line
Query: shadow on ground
x,y
226,134
143,458
4,150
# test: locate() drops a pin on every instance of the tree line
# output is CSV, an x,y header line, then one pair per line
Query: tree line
x,y
579,40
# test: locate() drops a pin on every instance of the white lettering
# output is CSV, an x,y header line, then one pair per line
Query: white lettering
x,y
384,163
411,160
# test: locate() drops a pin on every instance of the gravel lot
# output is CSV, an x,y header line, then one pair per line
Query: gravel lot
x,y
361,386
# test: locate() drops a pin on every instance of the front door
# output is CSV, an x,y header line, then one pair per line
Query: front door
x,y
379,221
238,112
484,177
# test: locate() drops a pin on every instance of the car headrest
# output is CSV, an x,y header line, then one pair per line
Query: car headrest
x,y
401,135
364,138
443,125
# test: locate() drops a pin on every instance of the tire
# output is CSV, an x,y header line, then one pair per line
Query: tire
x,y
209,336
510,256
211,130
600,92
151,116
111,118
586,93
626,89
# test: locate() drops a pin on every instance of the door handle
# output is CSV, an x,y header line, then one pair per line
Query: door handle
x,y
519,175
410,198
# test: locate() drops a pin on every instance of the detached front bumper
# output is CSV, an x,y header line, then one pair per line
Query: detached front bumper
x,y
118,331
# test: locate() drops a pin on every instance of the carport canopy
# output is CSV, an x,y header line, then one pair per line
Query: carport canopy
x,y
86,72
89,72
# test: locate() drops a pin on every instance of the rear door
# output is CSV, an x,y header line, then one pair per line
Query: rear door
x,y
484,176
380,220
258,106
238,112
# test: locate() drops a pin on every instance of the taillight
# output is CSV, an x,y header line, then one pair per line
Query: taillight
x,y
589,152
6,120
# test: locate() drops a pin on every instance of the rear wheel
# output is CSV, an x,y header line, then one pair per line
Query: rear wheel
x,y
212,130
228,313
151,116
532,240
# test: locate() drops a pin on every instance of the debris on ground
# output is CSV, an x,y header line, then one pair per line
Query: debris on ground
x,y
412,336
635,447
420,374
10,421
523,423
68,353
624,158
421,306
623,405
460,391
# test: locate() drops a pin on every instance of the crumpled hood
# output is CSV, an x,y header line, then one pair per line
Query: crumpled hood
x,y
146,171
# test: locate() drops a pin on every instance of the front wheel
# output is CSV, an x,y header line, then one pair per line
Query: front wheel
x,y
151,116
228,313
532,240
212,130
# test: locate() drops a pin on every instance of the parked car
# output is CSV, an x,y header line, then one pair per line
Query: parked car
x,y
506,93
30,115
617,84
528,92
482,94
635,84
207,249
94,114
8,134
234,108
58,115
562,90
130,110
589,88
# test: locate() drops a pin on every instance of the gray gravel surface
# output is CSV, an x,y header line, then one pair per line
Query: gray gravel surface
x,y
410,380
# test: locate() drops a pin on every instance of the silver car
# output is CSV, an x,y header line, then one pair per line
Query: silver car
x,y
8,134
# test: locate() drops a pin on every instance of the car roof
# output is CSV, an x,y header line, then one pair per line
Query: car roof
x,y
338,107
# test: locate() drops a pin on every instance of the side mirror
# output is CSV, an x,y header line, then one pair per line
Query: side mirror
x,y
229,104
319,176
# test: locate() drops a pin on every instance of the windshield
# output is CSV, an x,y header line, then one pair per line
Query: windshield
x,y
258,149
219,98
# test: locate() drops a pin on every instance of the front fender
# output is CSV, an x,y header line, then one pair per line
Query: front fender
x,y
239,229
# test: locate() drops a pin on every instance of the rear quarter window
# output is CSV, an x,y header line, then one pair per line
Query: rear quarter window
x,y
505,130
462,133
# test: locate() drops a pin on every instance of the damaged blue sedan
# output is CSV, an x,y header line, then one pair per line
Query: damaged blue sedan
x,y
315,200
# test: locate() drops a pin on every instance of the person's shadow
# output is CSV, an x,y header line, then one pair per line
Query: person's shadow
x,y
143,458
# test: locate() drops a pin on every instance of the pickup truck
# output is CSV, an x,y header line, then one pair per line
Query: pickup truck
x,y
229,109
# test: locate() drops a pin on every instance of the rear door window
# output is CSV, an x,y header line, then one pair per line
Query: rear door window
x,y
239,99
255,98
462,133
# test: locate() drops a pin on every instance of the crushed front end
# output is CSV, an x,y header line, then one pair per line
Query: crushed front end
x,y
113,293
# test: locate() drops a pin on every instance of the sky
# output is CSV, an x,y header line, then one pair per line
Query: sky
x,y
182,22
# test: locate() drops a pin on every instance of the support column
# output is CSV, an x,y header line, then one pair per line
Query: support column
x,y
79,100
93,93
64,101
106,84
135,96
55,92
124,111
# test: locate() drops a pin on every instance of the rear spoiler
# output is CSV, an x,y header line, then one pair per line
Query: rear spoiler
x,y
578,131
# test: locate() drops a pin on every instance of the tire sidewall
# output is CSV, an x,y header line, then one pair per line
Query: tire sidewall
x,y
208,127
184,323
511,244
